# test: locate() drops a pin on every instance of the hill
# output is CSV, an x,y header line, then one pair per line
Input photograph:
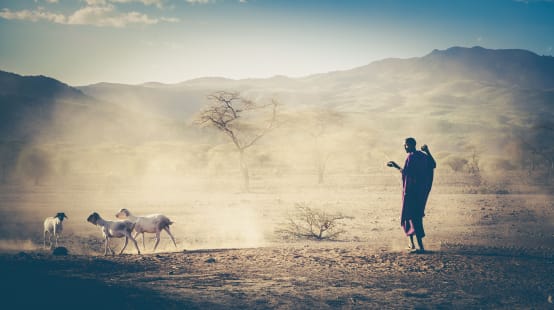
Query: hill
x,y
27,103
493,104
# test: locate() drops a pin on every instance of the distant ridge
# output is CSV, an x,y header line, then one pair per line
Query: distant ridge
x,y
40,86
509,67
498,101
513,66
28,103
457,74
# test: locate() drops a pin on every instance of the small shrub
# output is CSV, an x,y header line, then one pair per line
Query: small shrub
x,y
308,223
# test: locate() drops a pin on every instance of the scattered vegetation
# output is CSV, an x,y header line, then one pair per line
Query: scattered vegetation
x,y
314,224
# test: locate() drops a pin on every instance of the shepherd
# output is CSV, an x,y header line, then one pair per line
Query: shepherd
x,y
417,179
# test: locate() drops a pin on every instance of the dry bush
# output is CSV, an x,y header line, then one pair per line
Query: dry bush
x,y
456,163
315,224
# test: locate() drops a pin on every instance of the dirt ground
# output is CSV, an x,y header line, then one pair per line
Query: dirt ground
x,y
486,249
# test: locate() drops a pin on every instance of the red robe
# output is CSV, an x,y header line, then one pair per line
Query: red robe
x,y
417,178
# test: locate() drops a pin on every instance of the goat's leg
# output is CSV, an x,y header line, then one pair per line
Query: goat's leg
x,y
44,243
143,244
55,235
136,235
170,235
125,244
157,240
136,245
106,247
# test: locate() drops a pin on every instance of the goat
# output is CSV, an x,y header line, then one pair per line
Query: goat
x,y
154,223
114,229
54,227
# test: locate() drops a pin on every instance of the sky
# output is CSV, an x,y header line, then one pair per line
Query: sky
x,y
83,42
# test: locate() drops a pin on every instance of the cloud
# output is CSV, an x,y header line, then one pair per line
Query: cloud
x,y
100,15
158,3
106,16
169,19
533,1
96,2
199,1
34,16
210,1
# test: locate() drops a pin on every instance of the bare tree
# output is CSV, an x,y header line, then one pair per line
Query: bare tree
x,y
9,152
308,223
473,164
456,163
239,119
35,164
320,122
539,154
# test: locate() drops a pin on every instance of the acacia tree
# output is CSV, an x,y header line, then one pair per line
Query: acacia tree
x,y
537,153
322,120
239,119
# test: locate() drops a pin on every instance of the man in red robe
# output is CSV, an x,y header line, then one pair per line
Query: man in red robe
x,y
417,179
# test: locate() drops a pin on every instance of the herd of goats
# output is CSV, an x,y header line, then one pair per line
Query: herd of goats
x,y
155,223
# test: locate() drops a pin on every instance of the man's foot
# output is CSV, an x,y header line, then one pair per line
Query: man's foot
x,y
410,247
417,251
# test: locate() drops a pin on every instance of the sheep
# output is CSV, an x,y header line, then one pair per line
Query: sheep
x,y
154,223
114,229
54,227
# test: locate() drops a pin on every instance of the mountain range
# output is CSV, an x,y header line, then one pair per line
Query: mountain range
x,y
458,98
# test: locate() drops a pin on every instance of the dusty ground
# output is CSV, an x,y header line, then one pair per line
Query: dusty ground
x,y
486,250
312,277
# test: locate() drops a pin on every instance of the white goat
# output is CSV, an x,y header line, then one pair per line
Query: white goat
x,y
154,223
114,229
54,227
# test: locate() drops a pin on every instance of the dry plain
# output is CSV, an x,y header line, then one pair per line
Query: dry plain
x,y
490,245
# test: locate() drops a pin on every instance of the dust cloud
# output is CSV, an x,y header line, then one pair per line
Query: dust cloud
x,y
107,156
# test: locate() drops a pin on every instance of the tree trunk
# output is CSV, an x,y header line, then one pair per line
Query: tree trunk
x,y
244,171
320,163
321,174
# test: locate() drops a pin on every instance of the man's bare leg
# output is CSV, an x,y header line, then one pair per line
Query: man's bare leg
x,y
420,244
411,246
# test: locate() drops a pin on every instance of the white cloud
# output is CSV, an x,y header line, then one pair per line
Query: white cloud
x,y
96,2
158,3
170,19
106,16
243,1
95,15
199,1
34,16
